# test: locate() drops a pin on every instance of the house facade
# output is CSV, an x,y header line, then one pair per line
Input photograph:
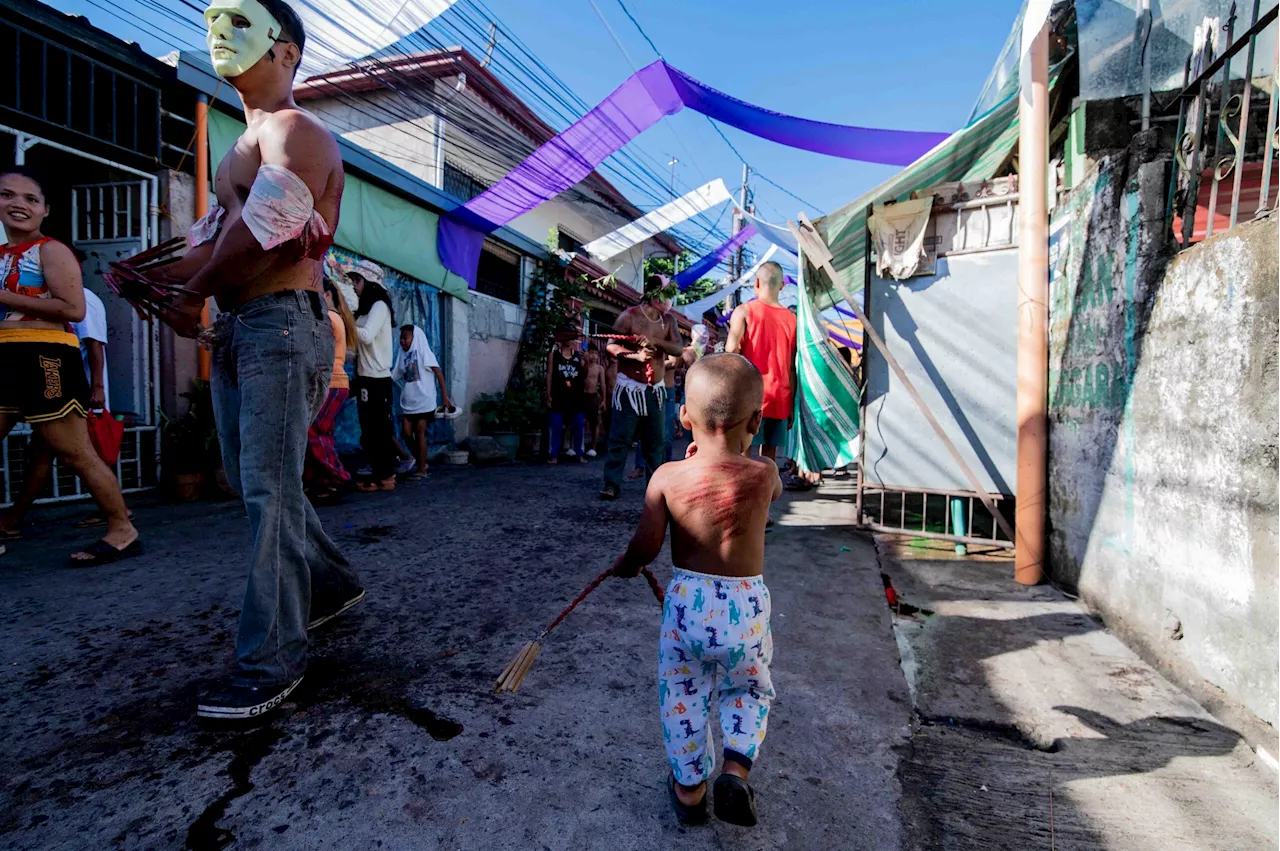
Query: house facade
x,y
443,117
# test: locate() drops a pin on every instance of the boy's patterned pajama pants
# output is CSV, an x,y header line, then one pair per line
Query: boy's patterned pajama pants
x,y
715,633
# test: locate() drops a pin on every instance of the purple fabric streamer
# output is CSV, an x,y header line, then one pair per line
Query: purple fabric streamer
x,y
890,147
686,277
844,341
652,92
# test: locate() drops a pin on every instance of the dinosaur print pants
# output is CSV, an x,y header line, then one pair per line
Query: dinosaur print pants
x,y
715,636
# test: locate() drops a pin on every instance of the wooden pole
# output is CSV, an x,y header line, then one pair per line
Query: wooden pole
x,y
817,252
1033,311
202,206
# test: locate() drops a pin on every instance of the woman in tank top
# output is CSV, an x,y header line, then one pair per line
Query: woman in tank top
x,y
44,382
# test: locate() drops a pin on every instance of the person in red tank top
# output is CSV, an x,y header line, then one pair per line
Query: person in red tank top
x,y
764,332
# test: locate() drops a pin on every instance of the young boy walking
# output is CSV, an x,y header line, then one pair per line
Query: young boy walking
x,y
715,623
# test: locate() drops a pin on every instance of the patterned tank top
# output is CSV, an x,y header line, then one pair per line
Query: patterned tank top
x,y
22,273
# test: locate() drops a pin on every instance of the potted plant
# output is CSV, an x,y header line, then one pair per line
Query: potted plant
x,y
190,446
505,416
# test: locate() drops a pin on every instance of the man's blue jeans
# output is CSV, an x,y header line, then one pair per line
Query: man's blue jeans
x,y
271,365
555,425
625,425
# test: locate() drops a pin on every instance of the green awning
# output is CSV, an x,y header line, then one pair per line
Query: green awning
x,y
375,223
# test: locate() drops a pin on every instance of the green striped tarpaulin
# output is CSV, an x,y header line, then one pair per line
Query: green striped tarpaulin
x,y
826,433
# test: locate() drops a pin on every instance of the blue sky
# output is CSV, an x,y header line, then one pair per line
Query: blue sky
x,y
863,62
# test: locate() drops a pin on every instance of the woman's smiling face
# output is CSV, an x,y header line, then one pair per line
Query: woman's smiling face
x,y
22,205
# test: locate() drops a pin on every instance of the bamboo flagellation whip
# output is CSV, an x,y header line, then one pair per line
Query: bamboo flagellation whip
x,y
513,675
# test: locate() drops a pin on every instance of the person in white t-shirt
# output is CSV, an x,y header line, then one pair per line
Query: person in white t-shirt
x,y
92,331
414,362
375,329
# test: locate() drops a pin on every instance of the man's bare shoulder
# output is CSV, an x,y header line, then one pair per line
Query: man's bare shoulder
x,y
296,127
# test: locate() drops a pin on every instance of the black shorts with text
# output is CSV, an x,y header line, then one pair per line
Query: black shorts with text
x,y
43,380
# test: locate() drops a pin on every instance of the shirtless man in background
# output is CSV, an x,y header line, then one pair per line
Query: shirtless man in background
x,y
639,396
259,253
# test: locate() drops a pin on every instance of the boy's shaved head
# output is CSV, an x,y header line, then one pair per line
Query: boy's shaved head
x,y
723,390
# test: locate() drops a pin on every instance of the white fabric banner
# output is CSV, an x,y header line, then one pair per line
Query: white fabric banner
x,y
341,31
695,309
654,223
779,235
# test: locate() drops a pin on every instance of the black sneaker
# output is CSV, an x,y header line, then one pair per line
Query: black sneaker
x,y
735,801
231,702
324,611
686,814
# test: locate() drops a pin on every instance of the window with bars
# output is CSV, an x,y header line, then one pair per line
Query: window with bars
x,y
46,81
460,184
566,241
499,273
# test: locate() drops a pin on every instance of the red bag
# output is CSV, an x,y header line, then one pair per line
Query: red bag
x,y
106,433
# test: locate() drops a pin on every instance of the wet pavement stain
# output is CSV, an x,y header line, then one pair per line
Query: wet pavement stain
x,y
374,687
249,749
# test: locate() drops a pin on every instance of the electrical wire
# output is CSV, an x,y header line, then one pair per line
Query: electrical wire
x,y
484,146
716,126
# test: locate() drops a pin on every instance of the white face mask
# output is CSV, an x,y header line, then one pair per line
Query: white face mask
x,y
235,49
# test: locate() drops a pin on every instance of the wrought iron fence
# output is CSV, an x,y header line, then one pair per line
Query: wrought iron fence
x,y
944,515
1222,151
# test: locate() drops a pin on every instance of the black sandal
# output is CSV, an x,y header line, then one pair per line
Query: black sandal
x,y
609,493
735,801
685,813
104,553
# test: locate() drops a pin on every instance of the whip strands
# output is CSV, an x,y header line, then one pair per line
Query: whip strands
x,y
627,338
129,280
513,675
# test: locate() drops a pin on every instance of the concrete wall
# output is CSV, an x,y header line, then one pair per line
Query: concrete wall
x,y
1163,432
398,129
492,341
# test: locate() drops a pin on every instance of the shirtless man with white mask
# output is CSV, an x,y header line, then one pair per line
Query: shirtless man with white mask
x,y
259,253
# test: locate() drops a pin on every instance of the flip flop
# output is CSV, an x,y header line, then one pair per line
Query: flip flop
x,y
103,553
685,813
735,801
10,536
609,493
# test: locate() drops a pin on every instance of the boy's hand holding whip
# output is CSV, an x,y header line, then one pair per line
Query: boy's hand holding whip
x,y
513,675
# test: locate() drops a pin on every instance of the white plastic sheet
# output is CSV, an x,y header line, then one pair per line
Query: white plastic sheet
x,y
651,224
340,31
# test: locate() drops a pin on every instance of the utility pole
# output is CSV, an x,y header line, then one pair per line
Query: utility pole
x,y
739,222
1033,311
675,258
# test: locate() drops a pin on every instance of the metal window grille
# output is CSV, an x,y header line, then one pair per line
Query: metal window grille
x,y
499,273
460,184
45,81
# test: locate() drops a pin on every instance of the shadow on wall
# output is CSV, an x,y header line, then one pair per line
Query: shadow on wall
x,y
1106,268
